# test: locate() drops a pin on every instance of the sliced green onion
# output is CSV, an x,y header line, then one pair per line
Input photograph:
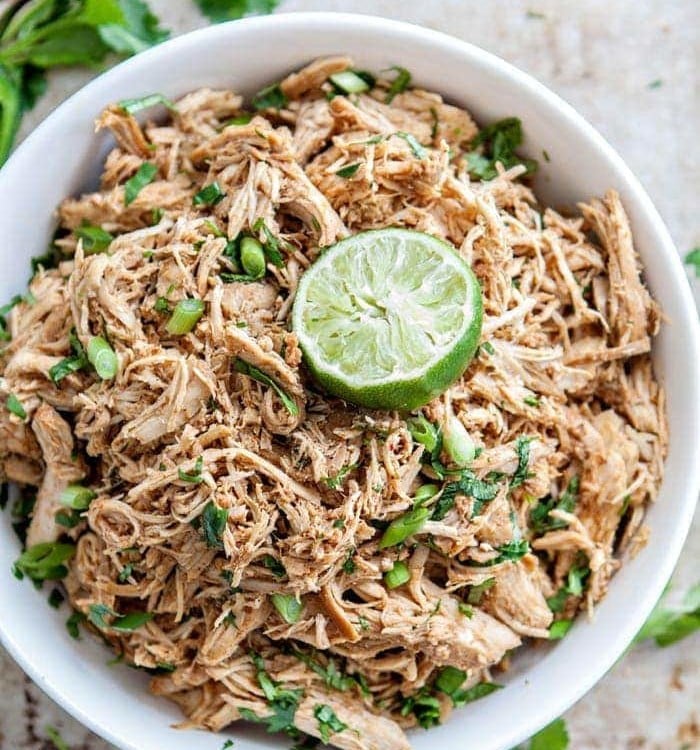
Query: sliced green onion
x,y
253,257
134,185
457,443
131,106
419,151
399,84
349,82
95,239
423,432
14,405
424,493
397,576
185,316
450,680
245,368
102,357
76,496
44,562
404,526
196,476
209,195
288,606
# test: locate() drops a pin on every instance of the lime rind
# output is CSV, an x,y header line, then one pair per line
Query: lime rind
x,y
388,318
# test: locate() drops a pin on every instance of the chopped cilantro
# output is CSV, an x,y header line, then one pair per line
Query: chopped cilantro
x,y
213,524
95,239
271,245
14,406
121,623
73,624
424,706
271,97
274,566
209,195
559,628
328,722
497,143
335,482
482,490
348,171
533,401
540,520
77,361
56,598
218,11
522,449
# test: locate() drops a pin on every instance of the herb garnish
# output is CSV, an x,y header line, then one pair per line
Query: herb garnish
x,y
54,737
271,246
348,171
282,702
450,680
218,11
419,151
400,83
274,566
522,449
540,520
335,481
574,586
44,562
135,184
331,675
498,143
482,490
132,106
693,259
559,628
553,737
667,625
424,706
121,623
95,239
244,368
213,524
195,477
328,722
41,35
73,624
288,606
478,590
78,361
209,195
271,97
14,406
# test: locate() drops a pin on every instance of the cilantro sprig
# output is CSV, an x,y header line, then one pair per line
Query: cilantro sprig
x,y
42,34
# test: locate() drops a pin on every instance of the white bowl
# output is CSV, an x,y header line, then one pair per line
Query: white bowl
x,y
63,156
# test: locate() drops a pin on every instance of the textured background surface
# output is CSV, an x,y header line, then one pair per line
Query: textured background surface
x,y
630,67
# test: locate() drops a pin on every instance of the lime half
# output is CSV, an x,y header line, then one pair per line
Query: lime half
x,y
388,318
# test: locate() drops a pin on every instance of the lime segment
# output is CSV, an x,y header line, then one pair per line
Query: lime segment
x,y
388,318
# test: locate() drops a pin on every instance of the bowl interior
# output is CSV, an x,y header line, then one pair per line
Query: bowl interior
x,y
245,56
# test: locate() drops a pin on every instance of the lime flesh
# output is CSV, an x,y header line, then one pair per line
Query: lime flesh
x,y
388,318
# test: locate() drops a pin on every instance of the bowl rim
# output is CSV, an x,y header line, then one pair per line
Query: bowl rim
x,y
607,656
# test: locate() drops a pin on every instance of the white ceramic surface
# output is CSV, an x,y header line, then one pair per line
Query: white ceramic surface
x,y
244,56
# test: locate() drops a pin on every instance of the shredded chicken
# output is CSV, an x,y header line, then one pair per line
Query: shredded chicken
x,y
215,493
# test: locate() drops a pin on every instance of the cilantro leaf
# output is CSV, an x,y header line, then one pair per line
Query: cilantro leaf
x,y
271,97
328,722
540,519
668,625
218,11
214,521
522,449
482,490
121,623
138,31
552,737
497,143
274,566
